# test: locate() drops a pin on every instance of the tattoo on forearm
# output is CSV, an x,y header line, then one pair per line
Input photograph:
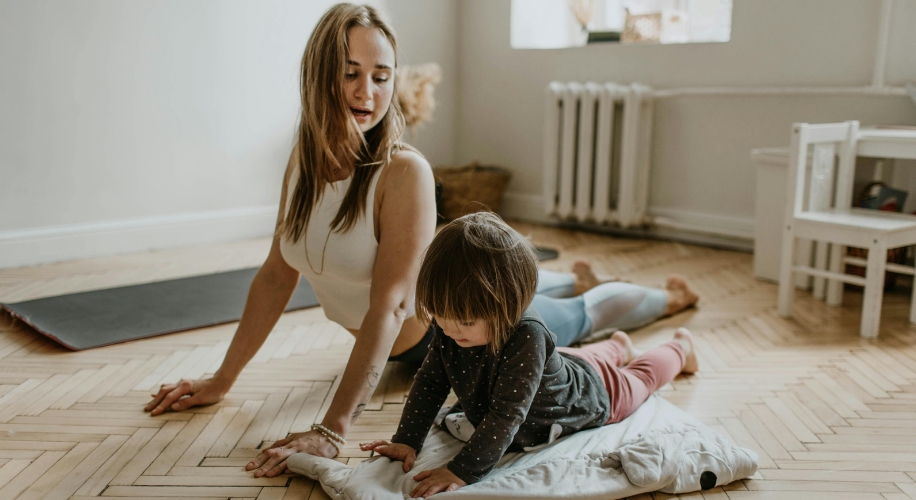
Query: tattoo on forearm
x,y
372,376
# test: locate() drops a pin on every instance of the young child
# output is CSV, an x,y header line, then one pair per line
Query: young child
x,y
493,350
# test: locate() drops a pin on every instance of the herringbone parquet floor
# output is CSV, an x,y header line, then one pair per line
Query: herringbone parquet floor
x,y
831,415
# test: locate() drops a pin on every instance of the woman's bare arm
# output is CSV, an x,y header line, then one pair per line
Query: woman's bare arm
x,y
407,224
270,293
268,296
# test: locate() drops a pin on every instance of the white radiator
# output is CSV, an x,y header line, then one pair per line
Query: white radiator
x,y
596,152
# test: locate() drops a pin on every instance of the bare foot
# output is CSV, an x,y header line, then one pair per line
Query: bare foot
x,y
680,296
586,279
685,338
624,340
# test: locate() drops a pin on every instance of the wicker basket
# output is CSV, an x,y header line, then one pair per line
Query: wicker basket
x,y
470,189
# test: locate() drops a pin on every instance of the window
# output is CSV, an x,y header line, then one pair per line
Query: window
x,y
542,24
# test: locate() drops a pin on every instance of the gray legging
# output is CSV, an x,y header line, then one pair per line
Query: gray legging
x,y
618,305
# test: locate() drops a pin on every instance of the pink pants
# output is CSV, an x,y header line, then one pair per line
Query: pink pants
x,y
629,386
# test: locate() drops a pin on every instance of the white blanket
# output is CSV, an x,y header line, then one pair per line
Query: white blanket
x,y
659,447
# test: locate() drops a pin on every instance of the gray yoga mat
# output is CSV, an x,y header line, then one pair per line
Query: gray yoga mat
x,y
546,253
85,320
102,317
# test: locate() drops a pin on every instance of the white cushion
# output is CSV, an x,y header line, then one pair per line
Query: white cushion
x,y
659,447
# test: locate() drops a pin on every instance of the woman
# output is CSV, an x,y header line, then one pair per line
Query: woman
x,y
357,212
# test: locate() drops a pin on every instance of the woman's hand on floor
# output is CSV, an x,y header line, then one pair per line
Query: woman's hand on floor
x,y
435,481
272,461
185,394
394,451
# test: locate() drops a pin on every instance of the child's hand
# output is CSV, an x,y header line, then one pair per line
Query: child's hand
x,y
435,481
394,451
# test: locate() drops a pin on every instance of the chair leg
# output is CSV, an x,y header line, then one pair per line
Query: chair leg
x,y
874,290
820,262
786,275
803,249
913,303
835,287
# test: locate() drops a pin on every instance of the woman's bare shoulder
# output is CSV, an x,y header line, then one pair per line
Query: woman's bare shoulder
x,y
409,158
407,166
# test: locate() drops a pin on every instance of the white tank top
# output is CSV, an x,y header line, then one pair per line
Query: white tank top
x,y
338,265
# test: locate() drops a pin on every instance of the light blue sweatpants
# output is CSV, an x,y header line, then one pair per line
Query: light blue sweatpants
x,y
619,305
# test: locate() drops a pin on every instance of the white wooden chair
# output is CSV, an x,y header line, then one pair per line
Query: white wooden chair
x,y
807,217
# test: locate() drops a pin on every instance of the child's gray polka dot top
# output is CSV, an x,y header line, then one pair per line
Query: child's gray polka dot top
x,y
512,397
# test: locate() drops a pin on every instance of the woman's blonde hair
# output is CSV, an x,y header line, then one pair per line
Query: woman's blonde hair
x,y
478,268
328,136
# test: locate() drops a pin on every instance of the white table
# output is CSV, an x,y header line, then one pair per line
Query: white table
x,y
887,143
770,198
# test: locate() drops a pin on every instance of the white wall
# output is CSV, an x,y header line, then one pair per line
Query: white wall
x,y
134,125
701,170
428,32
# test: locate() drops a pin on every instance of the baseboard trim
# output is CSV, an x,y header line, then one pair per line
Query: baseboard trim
x,y
43,245
718,225
736,233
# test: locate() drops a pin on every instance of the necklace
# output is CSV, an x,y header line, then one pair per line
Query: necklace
x,y
323,248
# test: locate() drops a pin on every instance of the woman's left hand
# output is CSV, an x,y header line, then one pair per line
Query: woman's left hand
x,y
435,481
272,461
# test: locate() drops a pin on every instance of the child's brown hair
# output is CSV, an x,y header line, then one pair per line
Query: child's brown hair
x,y
478,268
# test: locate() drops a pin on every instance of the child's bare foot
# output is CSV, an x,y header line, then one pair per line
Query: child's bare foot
x,y
586,279
680,296
624,340
685,338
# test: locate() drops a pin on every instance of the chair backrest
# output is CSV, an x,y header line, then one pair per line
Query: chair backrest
x,y
833,160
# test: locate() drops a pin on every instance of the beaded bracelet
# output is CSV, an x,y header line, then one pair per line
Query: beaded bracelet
x,y
335,439
329,434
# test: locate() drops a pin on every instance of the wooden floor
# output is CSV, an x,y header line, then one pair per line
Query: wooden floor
x,y
831,416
